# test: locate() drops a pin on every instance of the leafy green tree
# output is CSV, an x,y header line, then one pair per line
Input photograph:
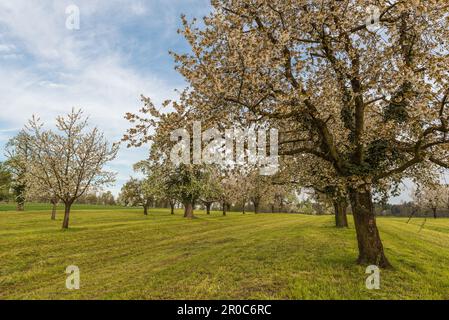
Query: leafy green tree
x,y
107,198
186,182
137,193
5,182
157,175
18,153
212,188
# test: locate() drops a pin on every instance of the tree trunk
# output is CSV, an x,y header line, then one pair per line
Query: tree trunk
x,y
53,210
243,210
434,210
256,207
272,208
188,210
340,206
145,209
208,204
65,222
371,251
172,207
20,206
224,208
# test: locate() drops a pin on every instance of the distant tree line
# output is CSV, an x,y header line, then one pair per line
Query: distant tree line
x,y
101,198
409,208
205,187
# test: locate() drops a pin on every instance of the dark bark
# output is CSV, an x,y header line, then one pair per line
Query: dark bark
x,y
65,222
188,210
371,251
256,206
172,207
340,206
146,206
272,208
20,206
208,204
434,211
224,208
53,210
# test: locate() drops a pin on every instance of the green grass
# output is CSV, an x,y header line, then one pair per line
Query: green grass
x,y
125,255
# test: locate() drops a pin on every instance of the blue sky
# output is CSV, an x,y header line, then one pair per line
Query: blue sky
x,y
119,52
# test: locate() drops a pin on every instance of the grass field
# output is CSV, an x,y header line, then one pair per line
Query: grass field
x,y
125,255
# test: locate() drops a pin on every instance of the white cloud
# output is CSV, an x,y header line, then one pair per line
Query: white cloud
x,y
138,8
6,48
70,69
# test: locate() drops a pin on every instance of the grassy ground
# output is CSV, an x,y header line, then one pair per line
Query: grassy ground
x,y
124,255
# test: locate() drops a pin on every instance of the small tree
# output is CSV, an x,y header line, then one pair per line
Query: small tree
x,y
18,154
242,190
164,172
71,161
211,188
169,194
155,184
137,193
186,182
35,191
107,198
432,197
91,198
260,189
279,197
5,182
227,191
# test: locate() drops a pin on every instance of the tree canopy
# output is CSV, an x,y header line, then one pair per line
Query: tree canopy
x,y
370,103
70,162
